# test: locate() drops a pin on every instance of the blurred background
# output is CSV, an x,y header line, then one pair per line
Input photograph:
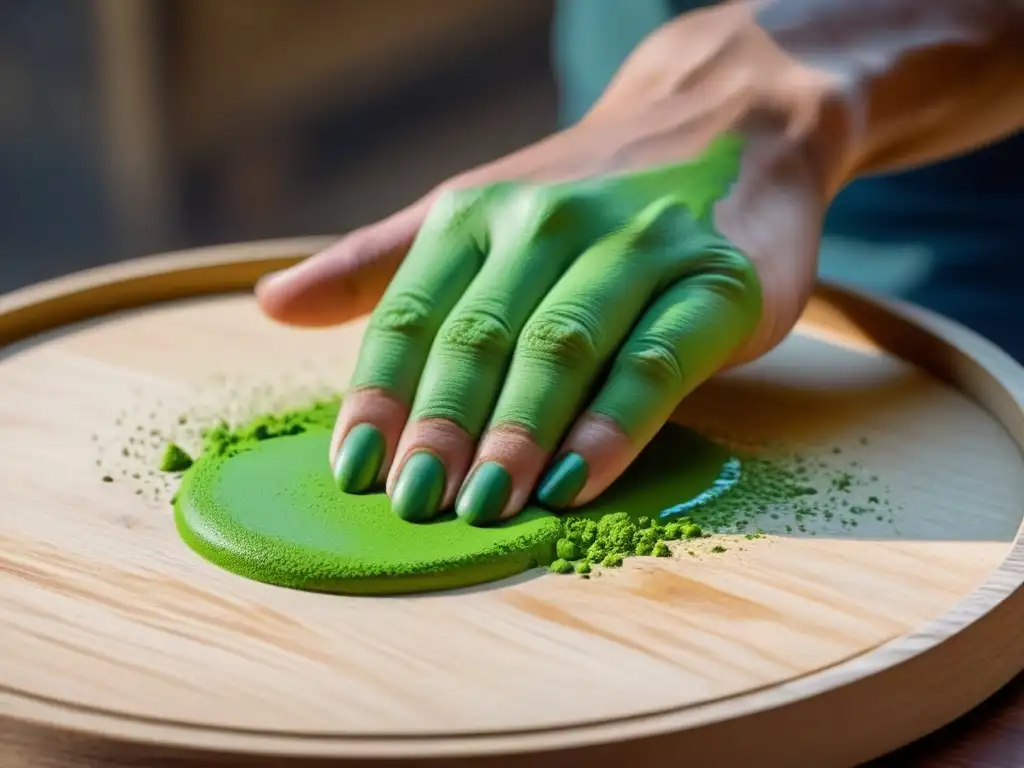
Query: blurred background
x,y
129,127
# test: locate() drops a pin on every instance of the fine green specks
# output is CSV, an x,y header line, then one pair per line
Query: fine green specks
x,y
360,459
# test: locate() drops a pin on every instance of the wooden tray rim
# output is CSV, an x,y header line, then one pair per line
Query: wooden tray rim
x,y
995,609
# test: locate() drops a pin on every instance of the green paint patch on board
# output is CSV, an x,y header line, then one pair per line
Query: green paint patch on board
x,y
261,502
273,513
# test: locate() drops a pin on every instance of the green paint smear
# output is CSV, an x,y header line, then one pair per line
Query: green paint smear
x,y
261,502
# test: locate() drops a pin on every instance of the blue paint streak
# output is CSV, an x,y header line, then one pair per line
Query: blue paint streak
x,y
729,476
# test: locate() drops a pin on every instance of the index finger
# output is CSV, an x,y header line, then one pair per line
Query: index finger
x,y
345,280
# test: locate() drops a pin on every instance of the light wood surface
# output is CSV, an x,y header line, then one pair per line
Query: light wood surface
x,y
121,645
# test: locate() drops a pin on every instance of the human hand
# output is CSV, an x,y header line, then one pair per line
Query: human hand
x,y
559,303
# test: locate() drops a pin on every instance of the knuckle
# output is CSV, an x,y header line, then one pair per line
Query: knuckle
x,y
539,212
654,361
563,336
477,332
665,216
406,313
731,274
452,207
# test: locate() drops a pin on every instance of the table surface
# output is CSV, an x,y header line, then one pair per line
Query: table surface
x,y
991,736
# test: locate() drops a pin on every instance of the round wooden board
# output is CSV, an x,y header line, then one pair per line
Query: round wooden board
x,y
823,647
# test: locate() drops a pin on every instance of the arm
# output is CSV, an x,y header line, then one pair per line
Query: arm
x,y
919,80
874,85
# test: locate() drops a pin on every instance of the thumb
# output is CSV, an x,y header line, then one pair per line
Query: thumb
x,y
345,280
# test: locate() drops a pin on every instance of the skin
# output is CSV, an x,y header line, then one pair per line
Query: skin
x,y
557,303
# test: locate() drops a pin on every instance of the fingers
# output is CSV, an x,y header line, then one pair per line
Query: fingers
x,y
345,280
515,340
685,336
560,353
504,470
441,264
432,457
470,354
365,434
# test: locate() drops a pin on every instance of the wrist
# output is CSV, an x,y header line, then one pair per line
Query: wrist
x,y
715,71
905,81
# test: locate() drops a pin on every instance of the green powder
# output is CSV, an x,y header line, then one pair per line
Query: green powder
x,y
174,460
270,511
260,501
561,565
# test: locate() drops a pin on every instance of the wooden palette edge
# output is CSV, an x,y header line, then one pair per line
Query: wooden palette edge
x,y
883,698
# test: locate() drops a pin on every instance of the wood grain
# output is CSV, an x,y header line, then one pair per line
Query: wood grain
x,y
121,645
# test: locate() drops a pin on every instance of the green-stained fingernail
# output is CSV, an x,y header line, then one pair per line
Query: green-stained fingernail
x,y
563,482
420,488
484,495
359,459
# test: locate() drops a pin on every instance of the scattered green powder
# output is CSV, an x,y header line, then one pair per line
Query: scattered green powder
x,y
612,561
566,549
561,565
223,442
267,508
175,459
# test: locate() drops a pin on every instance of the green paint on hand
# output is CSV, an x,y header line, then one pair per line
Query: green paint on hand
x,y
515,299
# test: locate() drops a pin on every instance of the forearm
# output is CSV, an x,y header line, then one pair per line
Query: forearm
x,y
914,80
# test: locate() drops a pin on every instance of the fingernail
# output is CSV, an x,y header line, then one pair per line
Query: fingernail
x,y
419,488
359,459
485,494
563,482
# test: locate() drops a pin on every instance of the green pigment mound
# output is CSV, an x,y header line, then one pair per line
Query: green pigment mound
x,y
272,513
261,502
